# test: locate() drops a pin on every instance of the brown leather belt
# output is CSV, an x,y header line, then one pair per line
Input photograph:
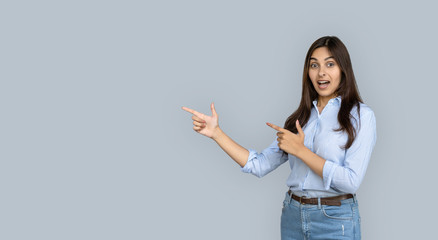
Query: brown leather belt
x,y
332,201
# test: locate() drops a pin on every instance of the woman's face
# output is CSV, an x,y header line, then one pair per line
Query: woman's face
x,y
324,73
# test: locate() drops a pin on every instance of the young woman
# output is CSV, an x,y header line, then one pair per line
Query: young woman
x,y
328,141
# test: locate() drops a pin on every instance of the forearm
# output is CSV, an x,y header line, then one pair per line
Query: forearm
x,y
335,175
238,153
311,159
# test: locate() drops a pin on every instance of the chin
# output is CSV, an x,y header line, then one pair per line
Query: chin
x,y
325,94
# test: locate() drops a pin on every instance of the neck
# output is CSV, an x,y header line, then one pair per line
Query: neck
x,y
323,100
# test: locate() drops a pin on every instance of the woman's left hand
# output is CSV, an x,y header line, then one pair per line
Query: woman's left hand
x,y
288,141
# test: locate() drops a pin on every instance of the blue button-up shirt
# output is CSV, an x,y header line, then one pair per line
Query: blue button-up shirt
x,y
343,170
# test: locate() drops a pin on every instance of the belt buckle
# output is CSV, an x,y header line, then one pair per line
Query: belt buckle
x,y
302,197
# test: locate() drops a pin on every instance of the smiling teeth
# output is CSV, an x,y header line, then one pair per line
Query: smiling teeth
x,y
323,82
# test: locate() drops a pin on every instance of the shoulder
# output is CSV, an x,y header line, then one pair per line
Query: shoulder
x,y
366,116
365,111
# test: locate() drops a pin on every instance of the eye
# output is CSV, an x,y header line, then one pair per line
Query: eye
x,y
330,64
313,65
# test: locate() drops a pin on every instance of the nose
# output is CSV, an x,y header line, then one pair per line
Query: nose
x,y
321,72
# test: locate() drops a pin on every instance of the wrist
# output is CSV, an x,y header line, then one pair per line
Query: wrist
x,y
301,151
217,134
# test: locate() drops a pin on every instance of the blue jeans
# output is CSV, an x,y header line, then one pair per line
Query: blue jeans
x,y
303,221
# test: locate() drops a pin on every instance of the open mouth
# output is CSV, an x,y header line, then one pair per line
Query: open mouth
x,y
322,84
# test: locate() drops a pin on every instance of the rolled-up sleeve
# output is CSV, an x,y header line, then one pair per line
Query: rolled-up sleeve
x,y
348,176
260,164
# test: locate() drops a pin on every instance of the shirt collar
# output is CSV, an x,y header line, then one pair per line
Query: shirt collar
x,y
337,101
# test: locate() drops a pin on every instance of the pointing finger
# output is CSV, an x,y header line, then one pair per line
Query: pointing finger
x,y
198,114
275,127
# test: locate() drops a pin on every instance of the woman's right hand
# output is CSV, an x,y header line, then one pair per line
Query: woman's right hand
x,y
203,124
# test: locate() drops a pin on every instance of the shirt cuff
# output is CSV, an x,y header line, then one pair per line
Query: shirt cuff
x,y
327,173
246,168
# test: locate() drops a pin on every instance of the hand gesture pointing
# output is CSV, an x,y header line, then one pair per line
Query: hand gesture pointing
x,y
288,141
203,124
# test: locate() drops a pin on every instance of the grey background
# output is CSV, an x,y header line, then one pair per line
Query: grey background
x,y
94,144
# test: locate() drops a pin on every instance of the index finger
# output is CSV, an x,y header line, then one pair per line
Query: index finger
x,y
275,127
198,114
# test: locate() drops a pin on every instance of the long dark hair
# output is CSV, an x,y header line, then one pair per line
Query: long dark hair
x,y
347,90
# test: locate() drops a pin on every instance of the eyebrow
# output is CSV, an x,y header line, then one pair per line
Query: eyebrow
x,y
312,58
